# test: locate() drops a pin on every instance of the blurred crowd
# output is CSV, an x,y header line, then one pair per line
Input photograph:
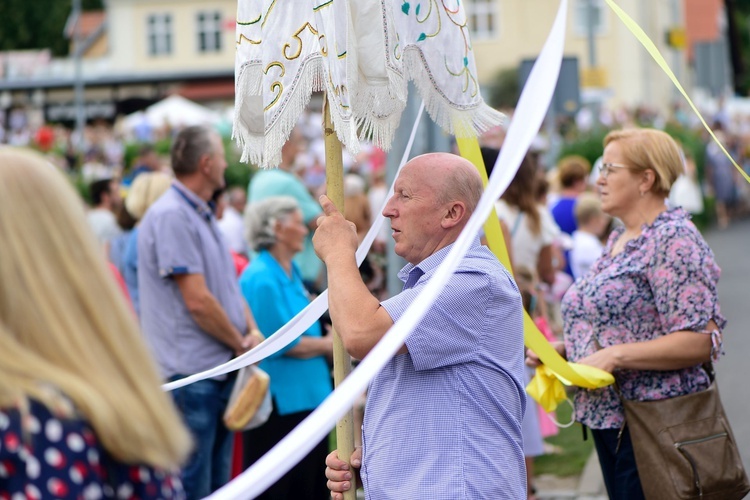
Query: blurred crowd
x,y
552,220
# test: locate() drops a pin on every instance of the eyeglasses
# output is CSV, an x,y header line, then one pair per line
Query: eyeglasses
x,y
606,168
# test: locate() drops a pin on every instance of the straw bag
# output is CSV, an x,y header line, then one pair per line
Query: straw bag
x,y
250,402
684,447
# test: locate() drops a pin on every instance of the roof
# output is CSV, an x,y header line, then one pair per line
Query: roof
x,y
703,22
90,22
118,79
202,90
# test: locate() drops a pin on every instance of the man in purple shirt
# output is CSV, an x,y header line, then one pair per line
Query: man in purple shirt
x,y
443,417
192,313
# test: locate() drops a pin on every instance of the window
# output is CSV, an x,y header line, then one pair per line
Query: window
x,y
159,32
482,17
209,31
582,17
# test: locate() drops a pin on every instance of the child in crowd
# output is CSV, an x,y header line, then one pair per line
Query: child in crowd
x,y
587,244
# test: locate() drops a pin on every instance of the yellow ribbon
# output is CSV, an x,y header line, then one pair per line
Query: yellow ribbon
x,y
547,386
651,48
588,377
546,389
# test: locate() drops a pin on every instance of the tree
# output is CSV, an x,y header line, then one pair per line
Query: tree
x,y
504,89
37,24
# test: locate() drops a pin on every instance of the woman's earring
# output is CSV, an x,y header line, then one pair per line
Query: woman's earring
x,y
643,193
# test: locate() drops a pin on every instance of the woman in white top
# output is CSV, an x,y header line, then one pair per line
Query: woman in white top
x,y
532,229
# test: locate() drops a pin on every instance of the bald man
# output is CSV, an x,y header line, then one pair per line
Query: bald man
x,y
443,418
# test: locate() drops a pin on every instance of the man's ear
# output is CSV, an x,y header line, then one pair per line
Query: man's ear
x,y
204,164
454,215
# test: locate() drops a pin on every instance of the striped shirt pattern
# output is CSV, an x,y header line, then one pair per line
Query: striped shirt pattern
x,y
443,421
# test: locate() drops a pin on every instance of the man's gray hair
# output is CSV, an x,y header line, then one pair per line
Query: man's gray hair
x,y
464,185
189,147
261,218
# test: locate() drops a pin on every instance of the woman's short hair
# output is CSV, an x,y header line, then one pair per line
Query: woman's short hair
x,y
572,169
145,190
79,343
261,218
646,148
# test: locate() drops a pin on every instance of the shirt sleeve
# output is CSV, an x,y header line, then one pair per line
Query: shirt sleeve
x,y
684,279
443,337
177,245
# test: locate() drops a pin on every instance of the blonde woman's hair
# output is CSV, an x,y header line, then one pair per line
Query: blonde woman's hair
x,y
145,190
66,332
647,148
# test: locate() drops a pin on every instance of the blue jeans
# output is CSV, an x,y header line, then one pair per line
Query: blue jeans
x,y
202,406
618,465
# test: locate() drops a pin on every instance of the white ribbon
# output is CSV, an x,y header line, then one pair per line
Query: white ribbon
x,y
310,314
530,111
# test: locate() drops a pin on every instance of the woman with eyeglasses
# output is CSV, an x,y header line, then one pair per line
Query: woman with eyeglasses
x,y
648,309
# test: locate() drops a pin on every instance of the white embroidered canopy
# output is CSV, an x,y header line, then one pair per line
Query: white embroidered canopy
x,y
362,53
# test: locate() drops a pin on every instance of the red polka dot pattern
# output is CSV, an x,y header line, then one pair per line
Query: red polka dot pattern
x,y
49,457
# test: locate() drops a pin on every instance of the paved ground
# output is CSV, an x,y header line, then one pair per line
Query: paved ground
x,y
732,249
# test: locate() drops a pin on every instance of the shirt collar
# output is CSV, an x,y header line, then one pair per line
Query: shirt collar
x,y
199,205
432,262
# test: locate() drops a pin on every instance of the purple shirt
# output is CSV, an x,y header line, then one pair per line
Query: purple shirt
x,y
178,235
443,421
662,282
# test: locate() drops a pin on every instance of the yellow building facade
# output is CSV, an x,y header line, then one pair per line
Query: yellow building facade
x,y
171,35
625,74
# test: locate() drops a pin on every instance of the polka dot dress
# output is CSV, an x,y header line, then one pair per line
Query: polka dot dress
x,y
52,458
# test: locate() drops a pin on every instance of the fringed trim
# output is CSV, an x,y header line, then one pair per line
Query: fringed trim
x,y
247,89
379,109
309,78
261,143
468,122
341,118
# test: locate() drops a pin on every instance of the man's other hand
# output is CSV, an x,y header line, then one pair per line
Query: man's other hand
x,y
339,474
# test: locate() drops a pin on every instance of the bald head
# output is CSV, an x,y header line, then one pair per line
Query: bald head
x,y
433,198
452,177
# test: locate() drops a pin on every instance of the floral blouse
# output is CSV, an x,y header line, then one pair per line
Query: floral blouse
x,y
663,281
49,457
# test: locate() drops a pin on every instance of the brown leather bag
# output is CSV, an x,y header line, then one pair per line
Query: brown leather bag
x,y
684,447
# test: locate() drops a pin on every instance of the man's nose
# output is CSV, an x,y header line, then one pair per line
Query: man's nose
x,y
388,210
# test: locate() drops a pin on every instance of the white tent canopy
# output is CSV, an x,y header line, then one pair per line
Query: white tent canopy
x,y
175,111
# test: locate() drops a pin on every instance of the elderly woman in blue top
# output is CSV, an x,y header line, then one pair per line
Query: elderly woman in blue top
x,y
300,377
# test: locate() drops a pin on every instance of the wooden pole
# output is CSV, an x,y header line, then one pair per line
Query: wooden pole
x,y
342,362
